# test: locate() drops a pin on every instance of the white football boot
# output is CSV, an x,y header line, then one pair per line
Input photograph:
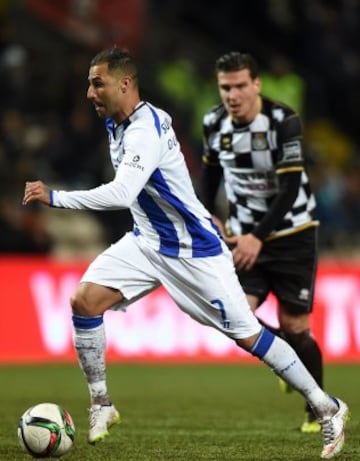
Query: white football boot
x,y
332,428
101,418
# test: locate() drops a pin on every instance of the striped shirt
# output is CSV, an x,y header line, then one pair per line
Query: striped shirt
x,y
252,158
152,180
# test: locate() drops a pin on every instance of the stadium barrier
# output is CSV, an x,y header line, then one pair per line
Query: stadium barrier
x,y
36,326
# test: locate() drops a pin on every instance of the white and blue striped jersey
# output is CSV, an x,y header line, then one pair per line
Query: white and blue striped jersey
x,y
152,180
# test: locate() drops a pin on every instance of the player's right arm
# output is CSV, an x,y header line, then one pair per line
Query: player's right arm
x,y
211,170
119,193
36,191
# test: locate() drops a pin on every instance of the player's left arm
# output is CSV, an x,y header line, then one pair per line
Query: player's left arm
x,y
289,168
289,184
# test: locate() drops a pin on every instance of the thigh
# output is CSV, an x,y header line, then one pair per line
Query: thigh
x,y
291,268
125,268
208,290
294,287
255,283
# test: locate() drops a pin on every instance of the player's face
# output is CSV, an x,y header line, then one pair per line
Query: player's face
x,y
239,94
105,91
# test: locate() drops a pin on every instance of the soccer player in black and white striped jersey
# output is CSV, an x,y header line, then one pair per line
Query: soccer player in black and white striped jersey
x,y
255,145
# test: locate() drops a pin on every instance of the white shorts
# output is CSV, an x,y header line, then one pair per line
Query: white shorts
x,y
205,288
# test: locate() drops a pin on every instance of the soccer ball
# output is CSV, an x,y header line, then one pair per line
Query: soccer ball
x,y
46,430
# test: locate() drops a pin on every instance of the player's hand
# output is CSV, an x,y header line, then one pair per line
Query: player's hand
x,y
36,191
246,249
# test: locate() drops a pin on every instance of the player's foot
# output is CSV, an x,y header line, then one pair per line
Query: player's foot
x,y
332,428
285,387
101,418
310,425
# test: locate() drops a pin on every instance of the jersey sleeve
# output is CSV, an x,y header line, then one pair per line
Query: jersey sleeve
x,y
290,142
142,156
211,171
289,168
211,121
289,184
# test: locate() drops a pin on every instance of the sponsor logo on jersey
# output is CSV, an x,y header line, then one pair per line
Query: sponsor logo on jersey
x,y
304,294
259,141
226,142
292,151
134,163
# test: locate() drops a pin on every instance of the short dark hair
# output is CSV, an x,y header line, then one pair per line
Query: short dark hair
x,y
116,59
234,60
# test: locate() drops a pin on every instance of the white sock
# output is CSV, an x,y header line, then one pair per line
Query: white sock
x,y
90,347
98,393
284,361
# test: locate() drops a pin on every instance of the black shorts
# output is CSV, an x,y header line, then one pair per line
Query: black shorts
x,y
285,267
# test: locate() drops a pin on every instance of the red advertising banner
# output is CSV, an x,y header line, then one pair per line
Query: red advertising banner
x,y
35,322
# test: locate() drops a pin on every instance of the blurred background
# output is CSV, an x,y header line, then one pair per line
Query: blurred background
x,y
309,55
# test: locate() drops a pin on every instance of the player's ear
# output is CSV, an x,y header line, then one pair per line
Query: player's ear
x,y
125,83
257,84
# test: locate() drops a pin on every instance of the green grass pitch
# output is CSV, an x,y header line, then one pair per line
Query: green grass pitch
x,y
180,412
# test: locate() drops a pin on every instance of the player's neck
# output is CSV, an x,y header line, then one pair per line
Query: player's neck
x,y
256,109
128,109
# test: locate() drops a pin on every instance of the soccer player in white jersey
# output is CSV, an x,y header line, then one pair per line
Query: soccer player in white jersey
x,y
174,243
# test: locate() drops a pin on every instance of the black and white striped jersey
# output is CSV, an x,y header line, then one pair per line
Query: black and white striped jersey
x,y
252,158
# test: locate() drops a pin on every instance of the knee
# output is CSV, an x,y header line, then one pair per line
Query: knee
x,y
259,344
91,299
80,303
294,324
247,343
